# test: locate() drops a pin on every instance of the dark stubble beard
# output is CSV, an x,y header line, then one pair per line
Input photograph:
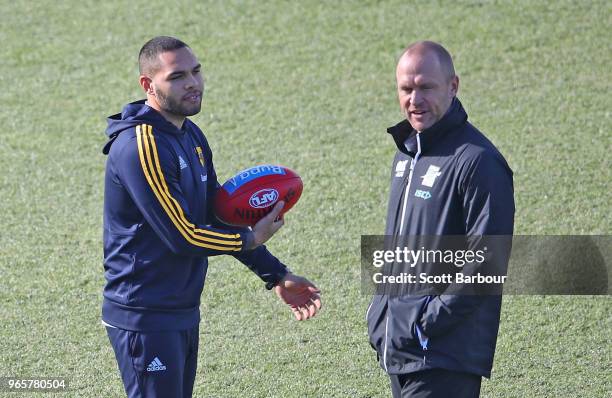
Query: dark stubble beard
x,y
175,107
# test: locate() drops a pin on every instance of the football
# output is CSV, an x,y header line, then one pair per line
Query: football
x,y
251,194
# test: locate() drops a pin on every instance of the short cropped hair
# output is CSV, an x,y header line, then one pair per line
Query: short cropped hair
x,y
444,57
148,57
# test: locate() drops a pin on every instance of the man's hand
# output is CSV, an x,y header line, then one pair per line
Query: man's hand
x,y
300,294
267,226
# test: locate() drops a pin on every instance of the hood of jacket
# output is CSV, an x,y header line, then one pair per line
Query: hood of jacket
x,y
133,114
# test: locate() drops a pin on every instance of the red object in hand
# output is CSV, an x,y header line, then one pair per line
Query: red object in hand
x,y
251,194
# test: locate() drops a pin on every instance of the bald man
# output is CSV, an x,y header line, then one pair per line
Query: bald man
x,y
447,179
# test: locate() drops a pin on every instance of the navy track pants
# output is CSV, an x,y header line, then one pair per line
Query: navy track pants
x,y
156,364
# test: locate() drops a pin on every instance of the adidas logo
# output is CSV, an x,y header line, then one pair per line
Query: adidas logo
x,y
182,163
156,365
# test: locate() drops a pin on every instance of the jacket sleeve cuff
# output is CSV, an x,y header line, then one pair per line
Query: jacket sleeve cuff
x,y
247,240
274,280
259,260
271,271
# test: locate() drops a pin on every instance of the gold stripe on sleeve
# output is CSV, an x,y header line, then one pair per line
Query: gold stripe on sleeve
x,y
176,215
165,192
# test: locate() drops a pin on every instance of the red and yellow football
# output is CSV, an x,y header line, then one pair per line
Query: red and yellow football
x,y
251,194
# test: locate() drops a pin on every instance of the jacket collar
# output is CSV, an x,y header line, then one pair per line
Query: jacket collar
x,y
135,113
404,134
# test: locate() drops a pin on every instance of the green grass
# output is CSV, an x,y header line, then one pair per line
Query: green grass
x,y
310,86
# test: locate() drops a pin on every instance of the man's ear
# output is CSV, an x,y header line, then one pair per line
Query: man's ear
x,y
454,85
147,84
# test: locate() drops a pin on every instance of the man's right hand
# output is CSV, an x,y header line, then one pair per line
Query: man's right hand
x,y
267,226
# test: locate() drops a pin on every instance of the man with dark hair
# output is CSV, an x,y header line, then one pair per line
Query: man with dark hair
x,y
159,229
447,179
148,57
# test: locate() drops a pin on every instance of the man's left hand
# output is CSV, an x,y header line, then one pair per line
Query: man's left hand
x,y
300,294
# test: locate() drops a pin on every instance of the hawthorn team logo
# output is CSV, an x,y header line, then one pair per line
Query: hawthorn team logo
x,y
200,155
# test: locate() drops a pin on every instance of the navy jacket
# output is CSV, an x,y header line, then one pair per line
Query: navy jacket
x,y
159,227
447,180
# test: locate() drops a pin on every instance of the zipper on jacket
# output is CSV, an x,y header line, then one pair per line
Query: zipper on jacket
x,y
423,340
412,164
386,328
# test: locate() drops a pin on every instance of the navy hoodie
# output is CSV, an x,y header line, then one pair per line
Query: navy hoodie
x,y
159,227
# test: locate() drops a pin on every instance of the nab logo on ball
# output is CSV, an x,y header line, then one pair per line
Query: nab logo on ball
x,y
264,198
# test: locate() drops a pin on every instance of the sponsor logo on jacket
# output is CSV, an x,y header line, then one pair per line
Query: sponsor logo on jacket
x,y
422,194
400,168
430,176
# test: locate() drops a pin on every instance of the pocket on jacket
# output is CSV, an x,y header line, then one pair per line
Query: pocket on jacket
x,y
405,312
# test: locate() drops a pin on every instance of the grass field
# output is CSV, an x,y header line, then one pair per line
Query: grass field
x,y
310,86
